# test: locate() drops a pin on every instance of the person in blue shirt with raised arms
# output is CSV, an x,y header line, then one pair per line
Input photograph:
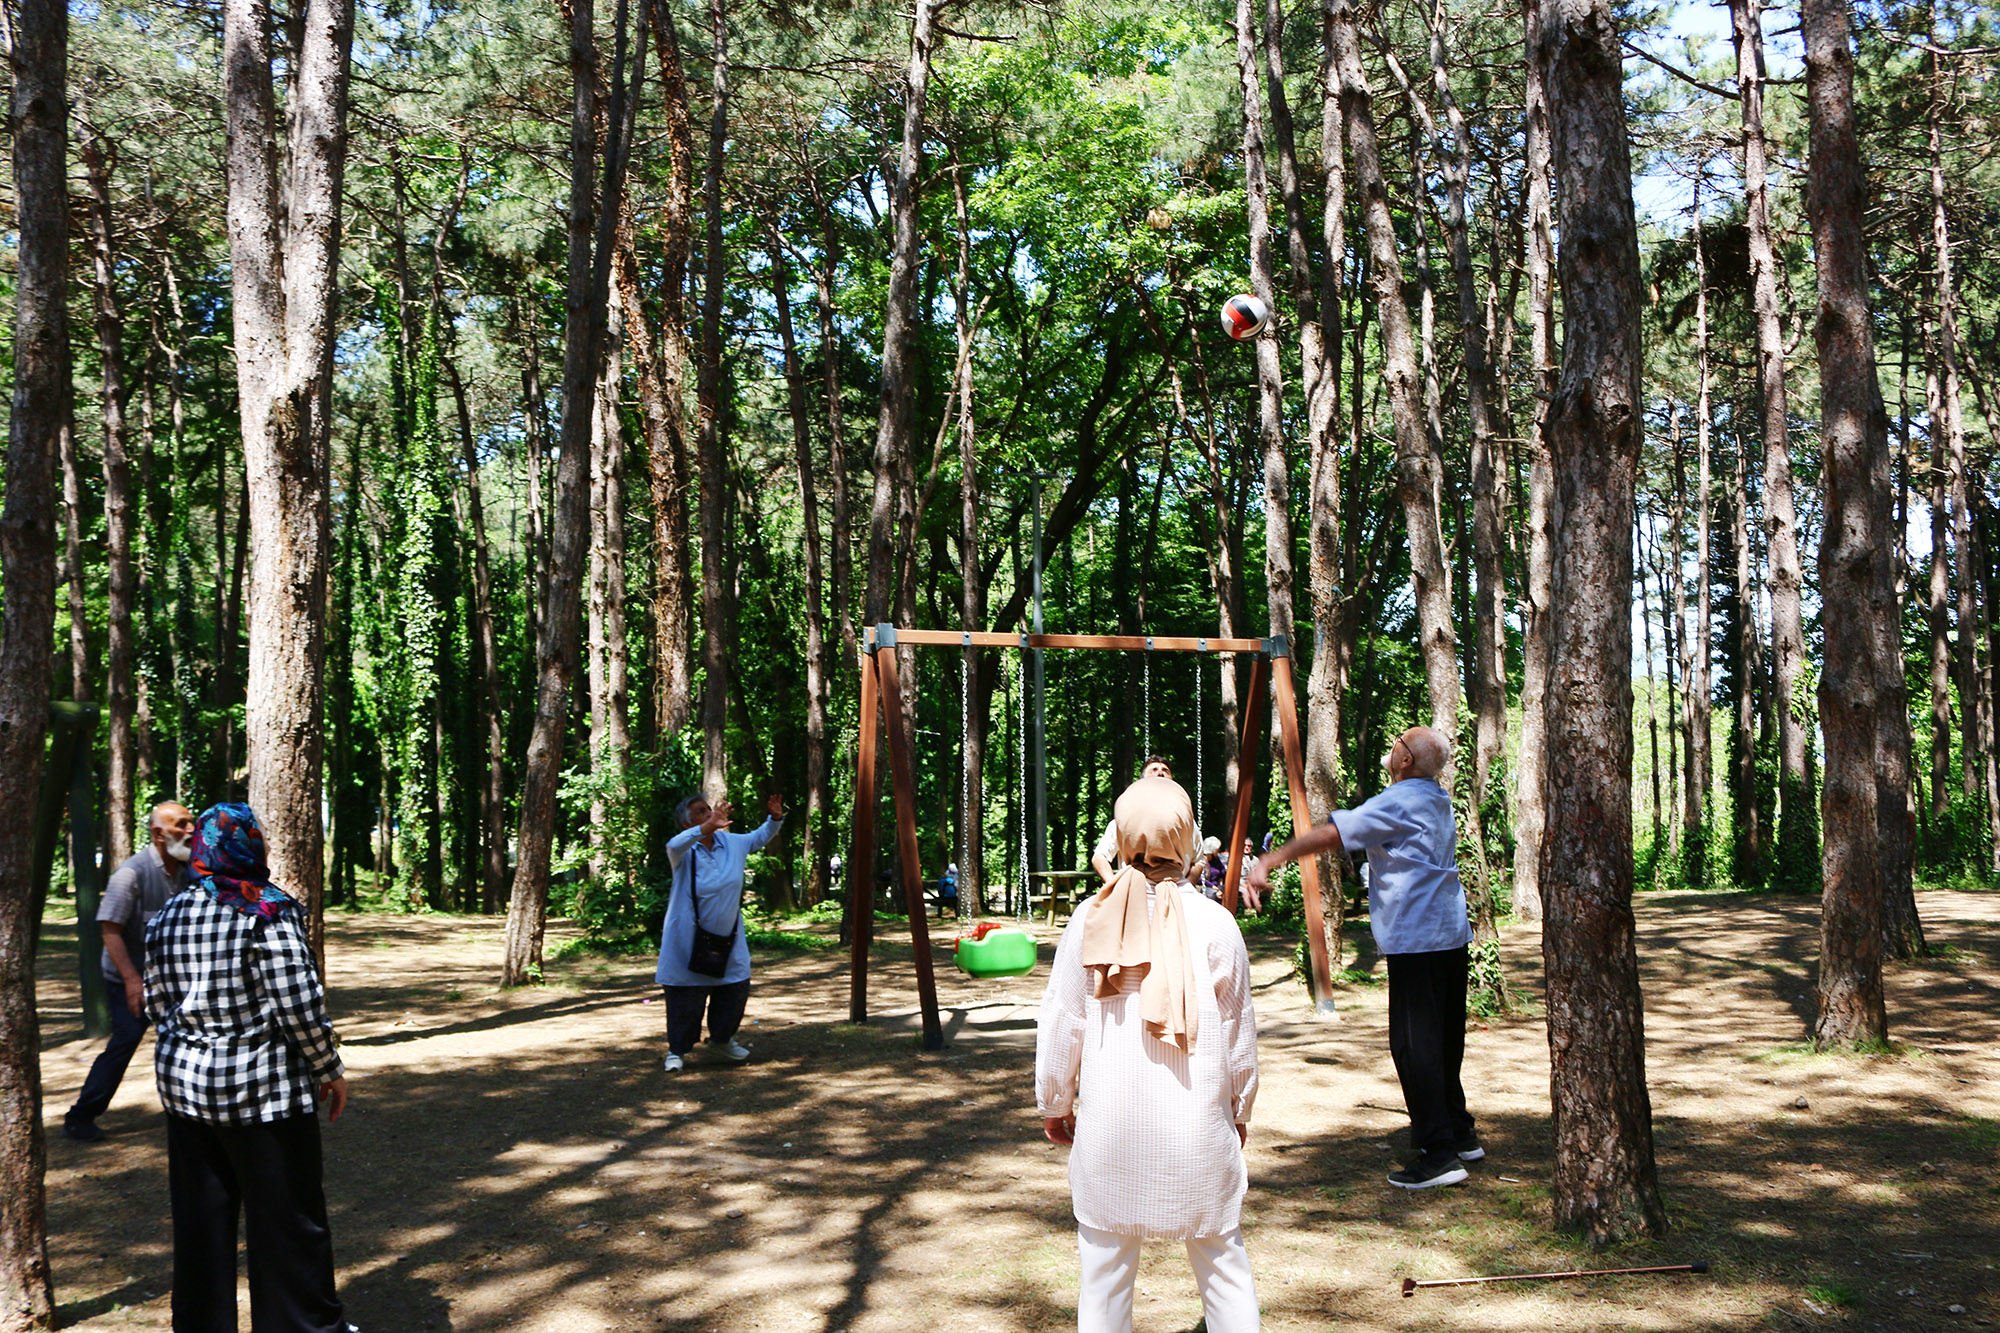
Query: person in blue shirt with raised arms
x,y
704,956
1416,907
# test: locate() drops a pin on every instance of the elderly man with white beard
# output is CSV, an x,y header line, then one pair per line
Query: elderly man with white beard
x,y
138,889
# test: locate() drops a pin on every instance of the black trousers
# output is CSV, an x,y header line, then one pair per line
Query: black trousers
x,y
1427,1041
108,1070
725,1005
271,1174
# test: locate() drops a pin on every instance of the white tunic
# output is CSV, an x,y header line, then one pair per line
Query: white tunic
x,y
1156,1152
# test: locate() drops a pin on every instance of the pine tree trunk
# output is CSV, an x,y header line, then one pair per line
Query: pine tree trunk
x,y
1798,833
1530,801
284,248
1270,375
1333,635
1488,676
534,431
841,528
1604,1183
585,306
1417,466
816,841
38,121
1864,642
1700,691
713,500
610,735
659,370
120,517
79,612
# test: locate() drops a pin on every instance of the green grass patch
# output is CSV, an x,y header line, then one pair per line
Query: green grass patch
x,y
587,946
1980,1131
1805,1053
790,941
1837,1294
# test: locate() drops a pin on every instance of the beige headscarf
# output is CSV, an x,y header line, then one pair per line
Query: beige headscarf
x,y
1123,943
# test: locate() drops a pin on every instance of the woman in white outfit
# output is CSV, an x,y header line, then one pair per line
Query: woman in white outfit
x,y
1146,1060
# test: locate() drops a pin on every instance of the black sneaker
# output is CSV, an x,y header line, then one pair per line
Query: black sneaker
x,y
1469,1148
83,1131
1428,1170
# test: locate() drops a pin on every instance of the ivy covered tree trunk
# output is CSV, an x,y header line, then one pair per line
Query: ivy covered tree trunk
x,y
713,498
1604,1181
284,250
38,121
1864,642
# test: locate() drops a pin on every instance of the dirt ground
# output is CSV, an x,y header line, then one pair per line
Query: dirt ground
x,y
518,1161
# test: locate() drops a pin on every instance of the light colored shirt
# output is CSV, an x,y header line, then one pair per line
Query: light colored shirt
x,y
718,883
1415,901
1107,843
1156,1153
137,891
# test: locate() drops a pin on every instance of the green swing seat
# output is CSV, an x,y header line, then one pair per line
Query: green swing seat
x,y
1000,953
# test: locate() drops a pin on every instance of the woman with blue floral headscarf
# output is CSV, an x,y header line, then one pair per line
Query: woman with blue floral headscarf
x,y
245,1054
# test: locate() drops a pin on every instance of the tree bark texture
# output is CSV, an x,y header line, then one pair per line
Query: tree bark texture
x,y
894,421
819,792
1797,831
1417,465
120,519
284,248
493,793
713,498
1864,642
1530,803
971,851
1604,1181
1701,763
1270,374
39,121
610,730
585,304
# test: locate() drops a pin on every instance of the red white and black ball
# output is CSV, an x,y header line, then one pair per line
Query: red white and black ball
x,y
1244,316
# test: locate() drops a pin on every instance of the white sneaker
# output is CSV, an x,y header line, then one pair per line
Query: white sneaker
x,y
673,1063
732,1050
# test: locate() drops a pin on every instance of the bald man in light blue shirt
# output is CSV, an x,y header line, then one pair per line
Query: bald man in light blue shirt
x,y
1416,908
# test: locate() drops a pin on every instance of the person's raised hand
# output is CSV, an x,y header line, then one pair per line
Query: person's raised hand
x,y
774,805
1059,1129
334,1094
135,996
719,817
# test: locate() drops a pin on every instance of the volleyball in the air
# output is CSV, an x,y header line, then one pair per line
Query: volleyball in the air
x,y
1244,316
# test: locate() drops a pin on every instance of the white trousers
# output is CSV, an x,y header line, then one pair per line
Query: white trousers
x,y
1111,1270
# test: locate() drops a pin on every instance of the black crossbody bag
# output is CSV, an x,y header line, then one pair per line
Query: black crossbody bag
x,y
708,956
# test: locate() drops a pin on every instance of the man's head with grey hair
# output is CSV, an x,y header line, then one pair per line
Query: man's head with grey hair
x,y
1420,752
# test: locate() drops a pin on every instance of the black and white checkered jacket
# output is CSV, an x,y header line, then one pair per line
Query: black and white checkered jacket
x,y
243,1035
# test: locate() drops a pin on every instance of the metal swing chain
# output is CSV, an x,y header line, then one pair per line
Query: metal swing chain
x,y
1021,784
1197,740
965,782
1149,704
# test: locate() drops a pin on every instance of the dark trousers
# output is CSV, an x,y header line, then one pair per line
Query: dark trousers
x,y
725,1006
1427,1041
271,1174
109,1068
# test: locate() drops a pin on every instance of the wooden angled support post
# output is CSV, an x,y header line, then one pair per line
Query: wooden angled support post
x,y
902,778
1252,732
861,856
1287,707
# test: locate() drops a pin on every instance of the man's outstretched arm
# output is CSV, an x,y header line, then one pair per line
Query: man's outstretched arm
x,y
1314,841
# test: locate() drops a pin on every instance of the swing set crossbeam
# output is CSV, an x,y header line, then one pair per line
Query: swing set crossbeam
x,y
886,722
885,636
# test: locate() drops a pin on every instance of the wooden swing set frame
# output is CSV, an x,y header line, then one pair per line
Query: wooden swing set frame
x,y
885,716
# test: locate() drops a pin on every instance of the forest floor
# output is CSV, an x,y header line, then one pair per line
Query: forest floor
x,y
518,1161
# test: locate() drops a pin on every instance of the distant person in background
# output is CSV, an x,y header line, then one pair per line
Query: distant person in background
x,y
137,891
245,1055
1214,870
707,902
1104,856
948,890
